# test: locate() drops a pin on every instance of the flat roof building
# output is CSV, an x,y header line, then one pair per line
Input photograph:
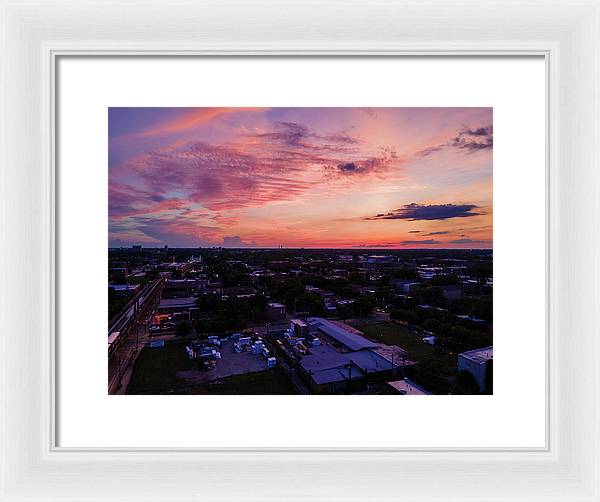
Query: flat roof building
x,y
352,357
275,311
340,333
478,362
174,304
299,327
124,290
408,387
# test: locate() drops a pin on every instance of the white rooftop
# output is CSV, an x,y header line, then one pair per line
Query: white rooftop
x,y
407,387
479,356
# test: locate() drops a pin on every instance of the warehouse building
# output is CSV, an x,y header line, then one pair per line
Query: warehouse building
x,y
344,360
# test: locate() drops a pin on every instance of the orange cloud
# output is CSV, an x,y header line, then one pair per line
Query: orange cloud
x,y
188,120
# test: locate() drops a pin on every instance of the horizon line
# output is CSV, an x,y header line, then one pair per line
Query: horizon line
x,y
304,248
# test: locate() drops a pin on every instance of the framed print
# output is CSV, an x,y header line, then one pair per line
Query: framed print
x,y
305,231
272,200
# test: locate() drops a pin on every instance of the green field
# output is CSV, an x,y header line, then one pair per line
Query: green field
x,y
155,369
403,336
269,382
435,370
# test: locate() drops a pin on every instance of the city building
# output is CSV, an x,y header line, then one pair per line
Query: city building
x,y
239,292
478,362
275,311
185,307
180,288
408,387
299,328
124,290
403,285
452,292
380,259
342,358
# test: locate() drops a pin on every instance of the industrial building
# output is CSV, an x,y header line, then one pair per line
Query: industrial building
x,y
407,387
180,288
478,362
124,290
185,308
342,358
275,311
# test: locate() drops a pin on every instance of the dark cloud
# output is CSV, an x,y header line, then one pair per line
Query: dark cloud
x,y
473,140
426,241
467,139
373,246
468,241
295,135
482,131
414,212
366,166
414,231
438,233
371,112
288,133
431,149
340,138
177,231
349,167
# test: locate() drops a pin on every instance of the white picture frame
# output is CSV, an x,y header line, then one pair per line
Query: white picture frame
x,y
35,34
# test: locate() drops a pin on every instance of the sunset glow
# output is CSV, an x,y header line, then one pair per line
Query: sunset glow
x,y
301,177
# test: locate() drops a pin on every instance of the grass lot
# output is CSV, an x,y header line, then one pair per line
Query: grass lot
x,y
405,337
155,373
435,371
274,381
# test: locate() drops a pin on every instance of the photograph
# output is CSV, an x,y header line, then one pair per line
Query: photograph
x,y
300,250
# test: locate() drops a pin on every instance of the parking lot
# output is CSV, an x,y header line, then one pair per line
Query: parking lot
x,y
231,363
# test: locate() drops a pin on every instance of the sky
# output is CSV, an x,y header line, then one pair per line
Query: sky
x,y
351,178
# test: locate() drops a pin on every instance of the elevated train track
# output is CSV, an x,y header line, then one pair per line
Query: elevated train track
x,y
124,331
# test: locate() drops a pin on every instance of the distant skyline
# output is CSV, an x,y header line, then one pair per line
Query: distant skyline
x,y
349,178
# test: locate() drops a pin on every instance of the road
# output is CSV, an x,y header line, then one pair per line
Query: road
x,y
301,387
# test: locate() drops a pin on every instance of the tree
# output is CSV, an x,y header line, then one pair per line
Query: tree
x,y
311,302
483,308
405,315
345,311
431,325
489,376
382,294
183,328
430,295
405,273
363,305
443,280
465,383
358,278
